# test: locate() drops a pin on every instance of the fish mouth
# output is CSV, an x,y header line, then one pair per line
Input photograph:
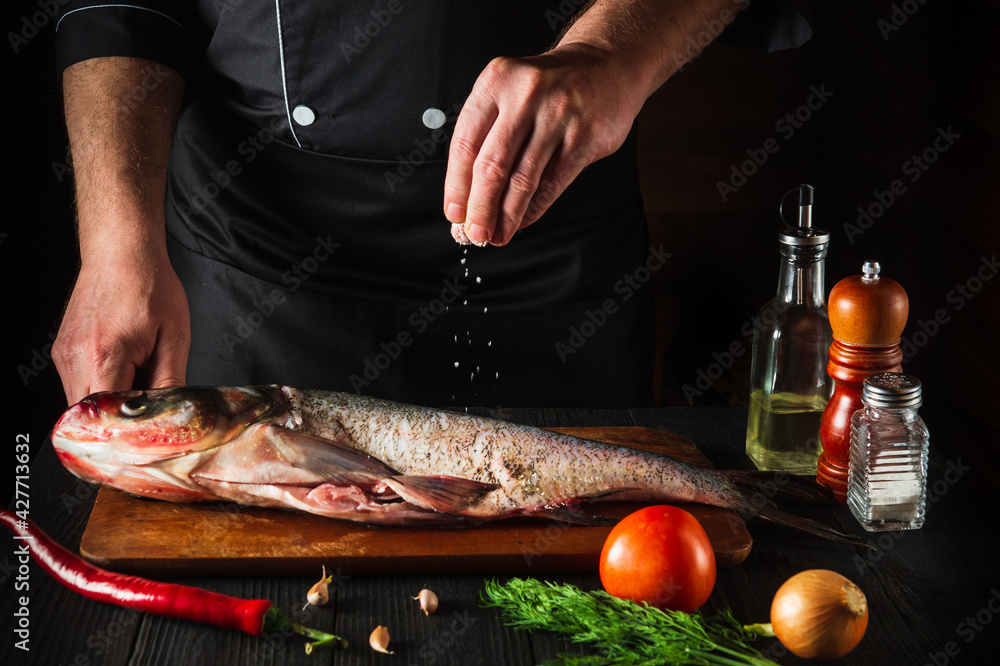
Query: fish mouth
x,y
89,407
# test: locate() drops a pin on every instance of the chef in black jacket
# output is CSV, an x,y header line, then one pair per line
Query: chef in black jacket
x,y
302,149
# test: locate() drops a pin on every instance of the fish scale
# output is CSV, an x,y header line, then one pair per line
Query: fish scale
x,y
373,461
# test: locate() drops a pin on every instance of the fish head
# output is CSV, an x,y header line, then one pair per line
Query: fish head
x,y
144,442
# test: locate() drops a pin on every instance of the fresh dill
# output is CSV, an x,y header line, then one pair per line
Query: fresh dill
x,y
623,631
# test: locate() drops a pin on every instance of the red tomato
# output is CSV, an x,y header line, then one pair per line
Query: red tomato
x,y
660,555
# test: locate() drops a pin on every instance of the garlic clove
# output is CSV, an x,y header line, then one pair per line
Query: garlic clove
x,y
379,640
428,601
319,594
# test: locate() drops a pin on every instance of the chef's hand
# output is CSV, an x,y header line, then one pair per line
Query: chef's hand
x,y
128,309
527,130
125,312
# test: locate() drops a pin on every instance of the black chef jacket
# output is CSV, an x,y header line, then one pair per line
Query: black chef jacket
x,y
304,206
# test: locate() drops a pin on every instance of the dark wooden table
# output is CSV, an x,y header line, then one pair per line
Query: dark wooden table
x,y
933,593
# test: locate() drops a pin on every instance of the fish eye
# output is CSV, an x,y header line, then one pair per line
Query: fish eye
x,y
133,407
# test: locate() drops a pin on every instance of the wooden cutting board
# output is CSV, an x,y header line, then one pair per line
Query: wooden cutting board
x,y
154,538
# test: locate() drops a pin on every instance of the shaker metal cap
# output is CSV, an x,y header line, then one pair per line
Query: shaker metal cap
x,y
894,390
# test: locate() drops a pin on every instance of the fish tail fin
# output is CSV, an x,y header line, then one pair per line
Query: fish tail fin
x,y
776,515
754,493
792,487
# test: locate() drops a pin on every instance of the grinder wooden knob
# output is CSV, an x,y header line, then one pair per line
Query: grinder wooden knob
x,y
867,315
868,309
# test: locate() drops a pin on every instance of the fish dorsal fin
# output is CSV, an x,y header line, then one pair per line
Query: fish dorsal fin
x,y
335,462
445,494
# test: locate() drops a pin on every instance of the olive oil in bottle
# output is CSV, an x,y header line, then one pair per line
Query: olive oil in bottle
x,y
789,387
783,432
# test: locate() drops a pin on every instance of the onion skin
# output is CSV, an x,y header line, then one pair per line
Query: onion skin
x,y
819,615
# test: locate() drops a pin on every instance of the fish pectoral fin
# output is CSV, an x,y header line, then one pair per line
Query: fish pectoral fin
x,y
444,494
332,461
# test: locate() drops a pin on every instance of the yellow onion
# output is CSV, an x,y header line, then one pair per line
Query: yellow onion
x,y
819,615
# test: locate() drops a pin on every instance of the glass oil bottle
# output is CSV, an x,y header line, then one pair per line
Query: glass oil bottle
x,y
789,387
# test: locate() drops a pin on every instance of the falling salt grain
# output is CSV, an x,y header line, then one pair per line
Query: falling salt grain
x,y
456,364
479,280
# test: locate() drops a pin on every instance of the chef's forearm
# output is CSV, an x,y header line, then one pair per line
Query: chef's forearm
x,y
120,144
651,38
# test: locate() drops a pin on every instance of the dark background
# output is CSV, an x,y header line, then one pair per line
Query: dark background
x,y
893,87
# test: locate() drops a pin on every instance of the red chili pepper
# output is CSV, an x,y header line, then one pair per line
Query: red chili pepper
x,y
256,617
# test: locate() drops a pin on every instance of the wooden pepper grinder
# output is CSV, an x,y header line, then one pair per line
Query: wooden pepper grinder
x,y
867,316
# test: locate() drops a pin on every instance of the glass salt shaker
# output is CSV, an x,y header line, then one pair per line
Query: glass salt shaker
x,y
887,478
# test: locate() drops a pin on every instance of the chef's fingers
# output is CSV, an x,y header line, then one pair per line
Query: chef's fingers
x,y
85,370
540,149
168,365
505,175
116,374
561,170
471,129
